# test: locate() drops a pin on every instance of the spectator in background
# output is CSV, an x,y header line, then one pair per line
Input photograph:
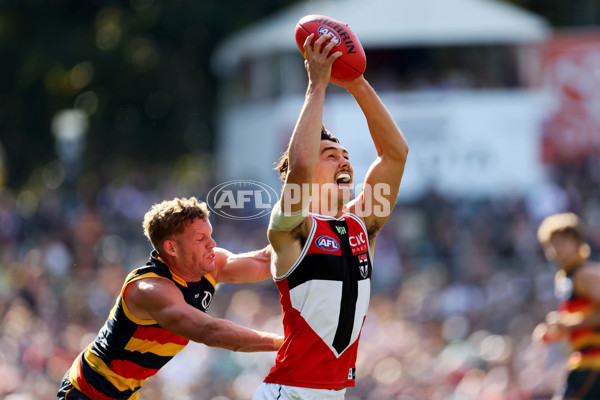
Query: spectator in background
x,y
577,284
163,305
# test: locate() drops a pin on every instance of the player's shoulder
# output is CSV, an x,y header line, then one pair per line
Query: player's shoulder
x,y
277,236
588,271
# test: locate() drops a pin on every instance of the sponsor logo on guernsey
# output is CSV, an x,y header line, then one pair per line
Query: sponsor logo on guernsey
x,y
358,243
327,243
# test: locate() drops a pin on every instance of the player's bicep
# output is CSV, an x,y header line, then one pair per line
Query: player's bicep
x,y
160,300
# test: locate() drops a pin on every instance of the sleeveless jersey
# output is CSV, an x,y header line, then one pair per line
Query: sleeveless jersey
x,y
127,350
324,298
585,341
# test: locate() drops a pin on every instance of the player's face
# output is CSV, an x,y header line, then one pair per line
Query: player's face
x,y
564,247
333,168
194,248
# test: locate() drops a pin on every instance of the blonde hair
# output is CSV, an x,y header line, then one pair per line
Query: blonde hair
x,y
563,223
166,218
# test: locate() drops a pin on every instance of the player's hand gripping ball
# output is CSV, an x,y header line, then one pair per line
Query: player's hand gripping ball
x,y
352,63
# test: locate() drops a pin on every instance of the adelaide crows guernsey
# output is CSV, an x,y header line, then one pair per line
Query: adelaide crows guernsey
x,y
324,298
127,350
585,341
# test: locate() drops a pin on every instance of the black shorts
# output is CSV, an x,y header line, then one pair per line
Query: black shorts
x,y
582,385
68,392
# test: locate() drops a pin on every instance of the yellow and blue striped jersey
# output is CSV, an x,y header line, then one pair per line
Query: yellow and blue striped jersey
x,y
128,350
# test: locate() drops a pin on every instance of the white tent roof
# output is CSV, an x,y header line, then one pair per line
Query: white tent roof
x,y
392,23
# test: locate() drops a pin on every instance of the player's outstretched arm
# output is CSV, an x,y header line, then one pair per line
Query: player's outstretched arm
x,y
253,266
385,174
306,138
303,154
160,300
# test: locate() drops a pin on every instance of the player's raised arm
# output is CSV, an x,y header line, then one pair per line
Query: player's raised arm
x,y
303,149
383,177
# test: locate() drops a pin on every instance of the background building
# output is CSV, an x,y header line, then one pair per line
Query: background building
x,y
106,109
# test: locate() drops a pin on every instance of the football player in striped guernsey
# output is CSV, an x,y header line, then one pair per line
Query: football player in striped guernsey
x,y
162,306
577,284
323,241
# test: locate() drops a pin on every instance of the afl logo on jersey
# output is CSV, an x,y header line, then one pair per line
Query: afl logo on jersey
x,y
327,243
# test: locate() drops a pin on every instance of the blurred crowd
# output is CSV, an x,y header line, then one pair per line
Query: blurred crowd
x,y
458,286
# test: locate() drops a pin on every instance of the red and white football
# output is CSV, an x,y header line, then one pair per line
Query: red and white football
x,y
352,63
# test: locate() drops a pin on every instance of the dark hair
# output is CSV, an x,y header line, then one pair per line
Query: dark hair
x,y
169,217
283,163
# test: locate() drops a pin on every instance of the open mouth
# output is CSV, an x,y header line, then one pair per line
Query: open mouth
x,y
343,179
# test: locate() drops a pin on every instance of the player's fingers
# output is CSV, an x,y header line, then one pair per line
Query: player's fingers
x,y
307,47
336,55
332,43
320,41
308,44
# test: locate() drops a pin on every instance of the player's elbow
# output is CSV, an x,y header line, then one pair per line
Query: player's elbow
x,y
397,154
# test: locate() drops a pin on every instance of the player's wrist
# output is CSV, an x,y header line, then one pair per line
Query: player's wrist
x,y
316,86
358,86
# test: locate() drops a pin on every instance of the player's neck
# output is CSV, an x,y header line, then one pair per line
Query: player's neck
x,y
185,274
577,259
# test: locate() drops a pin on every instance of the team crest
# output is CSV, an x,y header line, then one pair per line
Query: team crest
x,y
363,265
206,299
327,243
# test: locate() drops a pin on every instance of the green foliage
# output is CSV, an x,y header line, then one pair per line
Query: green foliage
x,y
140,69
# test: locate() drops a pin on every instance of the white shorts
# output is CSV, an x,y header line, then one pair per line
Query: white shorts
x,y
275,391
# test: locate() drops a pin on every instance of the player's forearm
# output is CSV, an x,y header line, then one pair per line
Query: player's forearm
x,y
253,266
227,335
304,145
186,321
387,137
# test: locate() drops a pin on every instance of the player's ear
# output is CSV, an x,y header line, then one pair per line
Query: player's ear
x,y
169,247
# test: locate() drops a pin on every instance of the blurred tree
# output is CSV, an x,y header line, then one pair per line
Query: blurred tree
x,y
564,13
140,70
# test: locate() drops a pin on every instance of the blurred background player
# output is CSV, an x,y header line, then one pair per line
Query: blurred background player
x,y
322,259
577,284
163,305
